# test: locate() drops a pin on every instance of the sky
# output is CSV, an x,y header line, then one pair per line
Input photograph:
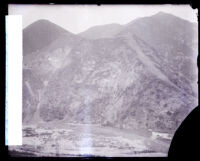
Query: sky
x,y
78,18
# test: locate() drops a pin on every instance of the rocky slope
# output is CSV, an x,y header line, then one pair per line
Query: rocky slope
x,y
143,77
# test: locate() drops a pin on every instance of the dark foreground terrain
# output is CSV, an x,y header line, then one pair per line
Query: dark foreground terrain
x,y
89,140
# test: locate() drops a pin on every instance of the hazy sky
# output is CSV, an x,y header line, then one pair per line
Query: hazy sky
x,y
77,18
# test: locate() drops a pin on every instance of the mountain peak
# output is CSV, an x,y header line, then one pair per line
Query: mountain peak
x,y
43,20
43,23
169,16
40,34
163,14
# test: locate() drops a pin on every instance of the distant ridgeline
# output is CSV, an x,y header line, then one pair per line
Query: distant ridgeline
x,y
139,75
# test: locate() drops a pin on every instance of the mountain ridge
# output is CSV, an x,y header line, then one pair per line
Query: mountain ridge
x,y
106,81
101,31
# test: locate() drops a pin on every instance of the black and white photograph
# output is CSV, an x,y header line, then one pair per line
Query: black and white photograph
x,y
105,81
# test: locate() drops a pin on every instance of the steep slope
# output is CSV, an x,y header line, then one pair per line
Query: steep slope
x,y
128,81
40,34
108,83
102,31
46,45
53,44
31,87
174,41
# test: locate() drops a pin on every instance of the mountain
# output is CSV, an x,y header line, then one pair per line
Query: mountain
x,y
45,48
142,77
40,34
102,31
174,41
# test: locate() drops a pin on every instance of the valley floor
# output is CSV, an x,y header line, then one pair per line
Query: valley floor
x,y
74,140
